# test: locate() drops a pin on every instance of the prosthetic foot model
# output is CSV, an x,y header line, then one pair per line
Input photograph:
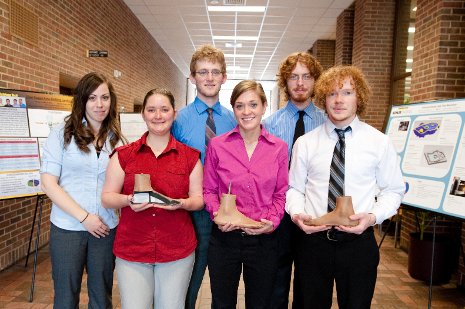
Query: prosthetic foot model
x,y
143,192
339,216
228,213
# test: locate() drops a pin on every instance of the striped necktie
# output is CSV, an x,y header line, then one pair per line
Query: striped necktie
x,y
336,171
210,128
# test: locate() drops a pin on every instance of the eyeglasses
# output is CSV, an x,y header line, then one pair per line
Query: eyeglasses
x,y
295,77
204,73
342,93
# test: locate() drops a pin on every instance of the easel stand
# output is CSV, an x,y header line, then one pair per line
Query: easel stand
x,y
430,293
39,205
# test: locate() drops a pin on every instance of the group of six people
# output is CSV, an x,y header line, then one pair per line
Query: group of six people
x,y
196,155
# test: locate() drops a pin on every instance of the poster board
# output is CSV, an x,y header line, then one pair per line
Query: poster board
x,y
26,119
132,126
430,140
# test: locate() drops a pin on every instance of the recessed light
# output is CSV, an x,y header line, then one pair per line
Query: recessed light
x,y
235,37
236,8
411,29
233,45
238,55
214,2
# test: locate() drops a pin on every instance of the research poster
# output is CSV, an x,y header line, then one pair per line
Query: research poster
x,y
19,167
41,121
430,140
132,126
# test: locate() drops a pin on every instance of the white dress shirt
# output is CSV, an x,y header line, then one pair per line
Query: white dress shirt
x,y
372,167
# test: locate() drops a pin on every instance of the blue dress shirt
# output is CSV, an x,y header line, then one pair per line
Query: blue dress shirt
x,y
282,122
80,174
189,126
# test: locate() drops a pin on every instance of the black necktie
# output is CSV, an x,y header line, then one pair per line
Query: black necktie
x,y
299,127
210,128
336,171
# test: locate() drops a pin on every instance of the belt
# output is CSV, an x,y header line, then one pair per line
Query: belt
x,y
335,235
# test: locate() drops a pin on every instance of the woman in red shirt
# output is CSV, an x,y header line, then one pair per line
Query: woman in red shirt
x,y
155,244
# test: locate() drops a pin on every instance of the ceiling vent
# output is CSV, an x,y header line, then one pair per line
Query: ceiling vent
x,y
233,2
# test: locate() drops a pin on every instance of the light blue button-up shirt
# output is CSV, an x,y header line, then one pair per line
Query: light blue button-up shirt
x,y
80,174
282,122
189,126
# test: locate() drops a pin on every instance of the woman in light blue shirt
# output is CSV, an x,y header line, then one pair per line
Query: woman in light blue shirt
x,y
74,163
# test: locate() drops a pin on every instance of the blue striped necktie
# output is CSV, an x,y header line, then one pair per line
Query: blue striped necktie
x,y
210,128
336,171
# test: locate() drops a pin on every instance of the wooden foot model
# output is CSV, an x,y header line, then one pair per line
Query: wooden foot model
x,y
339,216
228,213
143,192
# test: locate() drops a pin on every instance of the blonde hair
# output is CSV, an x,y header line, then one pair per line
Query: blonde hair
x,y
335,76
209,53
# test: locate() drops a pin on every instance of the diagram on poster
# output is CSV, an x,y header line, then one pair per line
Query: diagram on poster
x,y
132,126
41,121
429,138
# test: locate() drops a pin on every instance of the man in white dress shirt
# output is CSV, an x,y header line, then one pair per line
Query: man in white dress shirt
x,y
346,255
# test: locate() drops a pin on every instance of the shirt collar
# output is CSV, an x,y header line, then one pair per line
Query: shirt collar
x,y
143,142
263,133
354,125
293,110
201,106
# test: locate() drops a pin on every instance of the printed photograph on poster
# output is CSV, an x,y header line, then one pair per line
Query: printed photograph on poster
x,y
12,101
41,121
458,186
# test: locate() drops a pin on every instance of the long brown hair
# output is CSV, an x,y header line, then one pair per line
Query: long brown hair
x,y
84,135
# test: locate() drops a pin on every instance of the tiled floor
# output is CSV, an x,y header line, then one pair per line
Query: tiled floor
x,y
394,289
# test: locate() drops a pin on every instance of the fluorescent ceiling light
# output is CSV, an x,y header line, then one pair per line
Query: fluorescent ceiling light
x,y
409,60
233,67
411,29
238,56
234,45
238,76
409,47
235,37
408,70
237,8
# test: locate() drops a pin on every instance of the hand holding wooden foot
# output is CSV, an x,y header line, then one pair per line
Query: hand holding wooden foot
x,y
339,216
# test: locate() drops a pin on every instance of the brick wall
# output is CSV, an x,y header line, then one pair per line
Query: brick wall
x,y
66,30
372,52
439,57
323,50
344,37
438,70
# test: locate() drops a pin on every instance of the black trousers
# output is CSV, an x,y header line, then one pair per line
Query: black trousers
x,y
233,252
349,260
286,233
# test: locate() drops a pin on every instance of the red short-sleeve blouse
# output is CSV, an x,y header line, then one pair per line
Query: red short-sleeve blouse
x,y
156,235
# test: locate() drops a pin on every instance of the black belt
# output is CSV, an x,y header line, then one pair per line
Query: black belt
x,y
335,235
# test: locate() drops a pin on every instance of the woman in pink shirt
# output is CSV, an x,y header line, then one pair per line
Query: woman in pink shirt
x,y
255,163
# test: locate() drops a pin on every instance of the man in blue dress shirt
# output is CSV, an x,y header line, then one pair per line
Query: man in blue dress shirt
x,y
296,77
207,73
